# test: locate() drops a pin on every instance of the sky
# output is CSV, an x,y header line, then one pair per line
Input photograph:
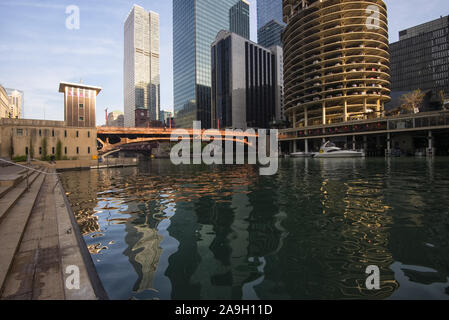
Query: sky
x,y
37,50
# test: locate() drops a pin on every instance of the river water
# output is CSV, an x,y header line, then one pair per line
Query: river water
x,y
160,231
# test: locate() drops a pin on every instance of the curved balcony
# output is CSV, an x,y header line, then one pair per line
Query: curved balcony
x,y
336,60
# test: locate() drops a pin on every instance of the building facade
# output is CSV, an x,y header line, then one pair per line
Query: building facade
x,y
167,118
271,34
196,24
141,65
16,103
268,10
420,60
116,119
245,83
79,104
40,138
269,23
4,103
239,19
73,138
336,59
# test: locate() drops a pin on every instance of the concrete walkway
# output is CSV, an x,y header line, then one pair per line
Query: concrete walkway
x,y
47,253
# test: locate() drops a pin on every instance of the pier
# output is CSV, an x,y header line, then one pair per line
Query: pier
x,y
423,133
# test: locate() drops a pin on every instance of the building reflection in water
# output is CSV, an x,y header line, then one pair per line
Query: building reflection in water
x,y
223,232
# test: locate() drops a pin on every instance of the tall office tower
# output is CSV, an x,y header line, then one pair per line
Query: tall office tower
x,y
245,83
420,60
196,24
141,65
269,23
271,34
4,103
239,19
16,103
79,104
336,61
116,119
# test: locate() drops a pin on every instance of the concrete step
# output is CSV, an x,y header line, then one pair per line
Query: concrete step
x,y
9,199
5,190
13,225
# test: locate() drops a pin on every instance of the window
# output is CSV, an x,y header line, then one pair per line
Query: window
x,y
52,132
77,134
77,150
65,150
65,133
20,132
53,150
40,133
26,150
81,118
40,150
88,134
88,150
81,106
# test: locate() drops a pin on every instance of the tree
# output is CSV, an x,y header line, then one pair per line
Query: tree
x,y
411,102
59,150
11,148
44,149
31,148
442,99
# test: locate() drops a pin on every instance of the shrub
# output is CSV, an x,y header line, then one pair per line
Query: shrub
x,y
59,150
20,159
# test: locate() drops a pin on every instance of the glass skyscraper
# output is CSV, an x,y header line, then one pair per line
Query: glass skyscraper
x,y
269,22
196,24
268,10
239,19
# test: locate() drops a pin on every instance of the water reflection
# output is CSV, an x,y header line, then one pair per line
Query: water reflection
x,y
197,232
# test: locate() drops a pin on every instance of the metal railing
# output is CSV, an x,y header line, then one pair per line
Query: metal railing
x,y
28,169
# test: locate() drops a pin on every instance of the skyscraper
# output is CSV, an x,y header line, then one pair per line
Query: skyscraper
x,y
335,72
271,34
196,24
269,22
239,19
16,103
245,83
141,65
420,60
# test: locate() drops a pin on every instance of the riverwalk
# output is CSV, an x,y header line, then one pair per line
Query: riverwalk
x,y
42,249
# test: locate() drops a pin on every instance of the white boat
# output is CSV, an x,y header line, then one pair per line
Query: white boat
x,y
330,150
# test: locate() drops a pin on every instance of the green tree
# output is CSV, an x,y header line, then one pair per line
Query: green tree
x,y
59,150
411,102
11,148
31,148
44,149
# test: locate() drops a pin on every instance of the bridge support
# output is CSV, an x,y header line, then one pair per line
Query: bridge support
x,y
431,149
388,151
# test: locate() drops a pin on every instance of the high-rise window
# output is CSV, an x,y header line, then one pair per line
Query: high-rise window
x,y
196,24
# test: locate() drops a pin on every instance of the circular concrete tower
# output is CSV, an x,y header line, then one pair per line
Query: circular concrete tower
x,y
336,60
